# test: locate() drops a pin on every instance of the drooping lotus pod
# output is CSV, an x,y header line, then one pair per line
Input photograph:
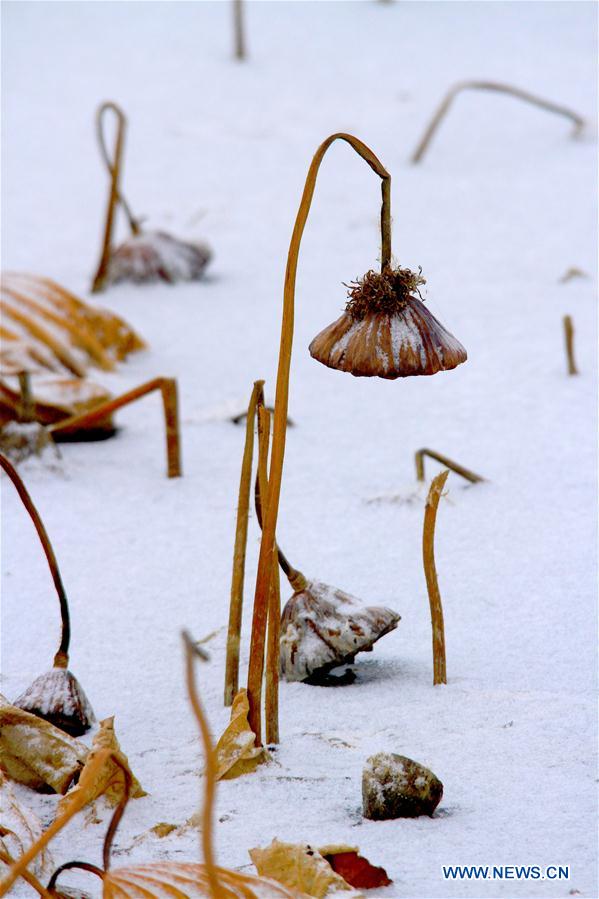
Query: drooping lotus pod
x,y
323,627
155,256
386,331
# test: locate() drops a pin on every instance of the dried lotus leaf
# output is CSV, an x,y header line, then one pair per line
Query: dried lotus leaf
x,y
20,828
172,879
236,752
109,780
35,753
298,866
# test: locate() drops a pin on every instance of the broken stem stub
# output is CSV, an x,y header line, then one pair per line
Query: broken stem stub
x,y
432,584
449,463
569,338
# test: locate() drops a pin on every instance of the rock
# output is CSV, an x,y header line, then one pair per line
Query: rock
x,y
394,786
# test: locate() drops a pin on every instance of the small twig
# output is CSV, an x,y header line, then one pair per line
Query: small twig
x,y
459,469
443,109
569,337
241,530
241,416
434,597
239,29
27,411
168,389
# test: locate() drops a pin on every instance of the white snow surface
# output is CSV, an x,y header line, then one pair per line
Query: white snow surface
x,y
503,204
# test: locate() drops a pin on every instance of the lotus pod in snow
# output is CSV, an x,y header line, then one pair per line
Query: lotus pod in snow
x,y
394,786
387,332
323,627
156,256
59,698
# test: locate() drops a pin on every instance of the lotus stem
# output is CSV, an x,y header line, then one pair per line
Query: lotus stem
x,y
273,654
27,412
61,659
449,463
432,584
76,804
27,876
68,866
239,29
191,651
443,109
569,337
267,544
241,530
296,579
114,195
118,813
168,388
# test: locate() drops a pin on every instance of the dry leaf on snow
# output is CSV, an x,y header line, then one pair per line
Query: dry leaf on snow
x,y
20,828
168,879
35,753
354,868
236,751
298,866
109,781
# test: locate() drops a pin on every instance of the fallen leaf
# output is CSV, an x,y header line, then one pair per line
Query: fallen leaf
x,y
20,828
162,829
298,866
35,753
236,751
109,780
356,870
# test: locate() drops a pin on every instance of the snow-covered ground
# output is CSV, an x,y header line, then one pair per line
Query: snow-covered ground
x,y
502,206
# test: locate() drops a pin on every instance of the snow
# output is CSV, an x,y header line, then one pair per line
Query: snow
x,y
501,207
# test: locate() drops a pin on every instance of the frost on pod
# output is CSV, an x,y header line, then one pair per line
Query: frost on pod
x,y
156,256
59,698
386,331
394,786
323,627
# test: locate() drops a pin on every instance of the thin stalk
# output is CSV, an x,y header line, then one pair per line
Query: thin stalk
x,y
134,223
239,29
266,562
76,804
27,876
432,584
273,655
68,866
241,530
443,109
449,463
61,659
569,338
27,411
168,388
191,651
114,195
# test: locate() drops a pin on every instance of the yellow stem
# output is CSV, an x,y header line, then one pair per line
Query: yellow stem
x,y
432,584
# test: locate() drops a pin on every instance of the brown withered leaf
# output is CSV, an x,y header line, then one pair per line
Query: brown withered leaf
x,y
298,866
20,828
35,753
168,879
356,870
109,780
236,751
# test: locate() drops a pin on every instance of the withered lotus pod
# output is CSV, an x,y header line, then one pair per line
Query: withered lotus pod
x,y
386,331
323,627
145,256
57,695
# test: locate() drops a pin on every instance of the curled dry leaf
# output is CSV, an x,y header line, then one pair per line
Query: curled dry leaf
x,y
298,866
37,754
354,868
236,751
109,780
20,828
169,879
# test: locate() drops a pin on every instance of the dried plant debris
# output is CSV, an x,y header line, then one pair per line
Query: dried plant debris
x,y
164,880
394,786
37,754
156,256
299,867
354,868
322,627
236,751
20,828
58,697
386,331
20,441
109,780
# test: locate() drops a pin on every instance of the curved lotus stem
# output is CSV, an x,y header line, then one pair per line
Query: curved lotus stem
x,y
27,876
61,659
267,546
68,866
241,531
432,584
114,196
168,389
192,650
459,469
443,109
